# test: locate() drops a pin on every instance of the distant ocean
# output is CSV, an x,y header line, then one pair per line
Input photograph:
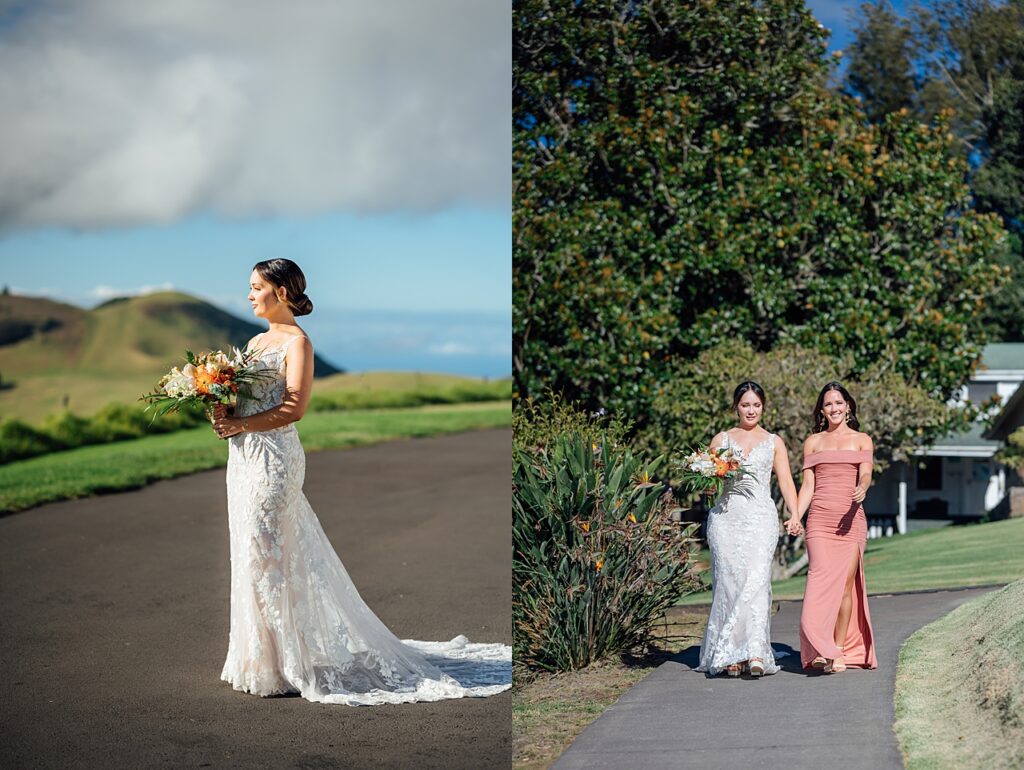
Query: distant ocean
x,y
473,344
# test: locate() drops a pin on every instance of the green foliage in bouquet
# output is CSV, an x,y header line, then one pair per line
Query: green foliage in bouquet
x,y
683,176
596,557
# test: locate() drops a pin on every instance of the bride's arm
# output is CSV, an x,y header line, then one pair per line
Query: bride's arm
x,y
803,501
297,390
786,485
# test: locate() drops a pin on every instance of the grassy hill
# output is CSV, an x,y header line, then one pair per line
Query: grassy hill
x,y
52,353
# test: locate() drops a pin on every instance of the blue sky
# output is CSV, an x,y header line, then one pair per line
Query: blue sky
x,y
150,146
404,292
835,14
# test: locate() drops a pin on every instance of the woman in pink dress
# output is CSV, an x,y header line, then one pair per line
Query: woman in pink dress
x,y
835,625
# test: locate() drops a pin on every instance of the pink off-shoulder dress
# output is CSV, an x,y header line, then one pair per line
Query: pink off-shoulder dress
x,y
836,535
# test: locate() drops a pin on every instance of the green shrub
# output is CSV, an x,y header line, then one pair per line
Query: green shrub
x,y
71,430
538,423
390,399
19,440
596,557
116,422
186,417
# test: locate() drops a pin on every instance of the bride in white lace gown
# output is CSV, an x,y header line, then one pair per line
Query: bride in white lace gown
x,y
298,625
743,532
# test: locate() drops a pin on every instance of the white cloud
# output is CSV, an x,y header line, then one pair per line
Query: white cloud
x,y
118,112
452,348
103,292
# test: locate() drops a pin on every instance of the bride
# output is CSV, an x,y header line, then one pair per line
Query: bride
x,y
297,621
743,531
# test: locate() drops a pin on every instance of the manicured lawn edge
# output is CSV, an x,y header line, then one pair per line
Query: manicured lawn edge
x,y
132,464
952,557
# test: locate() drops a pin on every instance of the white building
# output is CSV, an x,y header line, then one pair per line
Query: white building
x,y
956,479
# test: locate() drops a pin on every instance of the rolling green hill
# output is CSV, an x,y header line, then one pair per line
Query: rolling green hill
x,y
53,354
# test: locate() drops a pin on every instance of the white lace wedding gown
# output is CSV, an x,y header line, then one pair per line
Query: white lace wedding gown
x,y
297,621
742,531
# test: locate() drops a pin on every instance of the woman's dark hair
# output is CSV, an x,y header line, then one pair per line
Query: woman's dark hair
x,y
746,387
285,274
820,421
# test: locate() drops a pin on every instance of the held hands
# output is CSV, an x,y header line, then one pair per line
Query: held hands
x,y
225,426
793,526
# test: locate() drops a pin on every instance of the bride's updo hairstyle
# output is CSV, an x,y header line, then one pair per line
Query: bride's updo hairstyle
x,y
285,274
748,387
820,421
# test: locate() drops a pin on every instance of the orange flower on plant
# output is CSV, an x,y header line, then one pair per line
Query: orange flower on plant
x,y
585,526
632,518
598,563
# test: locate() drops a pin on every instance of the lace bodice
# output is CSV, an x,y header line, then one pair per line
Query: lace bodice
x,y
755,484
268,391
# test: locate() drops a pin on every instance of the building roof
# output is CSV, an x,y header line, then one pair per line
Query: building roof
x,y
1000,361
1003,356
972,443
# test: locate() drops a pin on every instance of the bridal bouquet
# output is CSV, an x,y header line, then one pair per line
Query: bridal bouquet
x,y
207,379
706,470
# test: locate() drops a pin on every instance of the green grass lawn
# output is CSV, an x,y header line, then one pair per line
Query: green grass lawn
x,y
960,687
130,464
40,393
972,555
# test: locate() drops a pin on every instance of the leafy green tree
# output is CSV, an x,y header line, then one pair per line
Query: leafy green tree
x,y
965,49
880,68
999,183
683,177
964,56
695,403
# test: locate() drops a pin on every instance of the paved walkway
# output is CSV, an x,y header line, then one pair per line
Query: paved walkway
x,y
678,718
115,617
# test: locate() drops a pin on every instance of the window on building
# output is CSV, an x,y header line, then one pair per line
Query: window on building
x,y
929,474
978,392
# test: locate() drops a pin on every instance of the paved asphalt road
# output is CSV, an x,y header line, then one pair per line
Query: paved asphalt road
x,y
678,718
114,617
